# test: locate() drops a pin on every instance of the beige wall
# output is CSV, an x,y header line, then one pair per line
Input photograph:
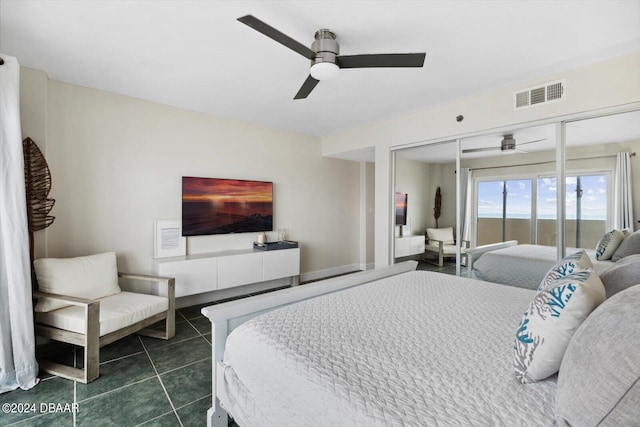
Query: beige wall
x,y
606,84
117,164
33,117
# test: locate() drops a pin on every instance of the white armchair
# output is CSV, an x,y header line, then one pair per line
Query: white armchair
x,y
80,302
441,242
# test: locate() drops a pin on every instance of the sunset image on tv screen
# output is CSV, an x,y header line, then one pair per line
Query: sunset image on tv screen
x,y
219,206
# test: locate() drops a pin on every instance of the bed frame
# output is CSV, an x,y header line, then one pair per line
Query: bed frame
x,y
474,254
227,316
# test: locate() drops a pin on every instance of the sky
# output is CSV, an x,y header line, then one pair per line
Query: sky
x,y
225,190
519,193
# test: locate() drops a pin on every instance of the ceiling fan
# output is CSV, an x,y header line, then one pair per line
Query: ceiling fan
x,y
508,144
325,57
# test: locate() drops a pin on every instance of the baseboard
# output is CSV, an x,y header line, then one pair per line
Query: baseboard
x,y
329,272
229,293
369,266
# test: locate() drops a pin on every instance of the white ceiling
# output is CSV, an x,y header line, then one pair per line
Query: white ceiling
x,y
195,55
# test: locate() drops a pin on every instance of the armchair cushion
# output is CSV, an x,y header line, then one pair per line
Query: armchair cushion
x,y
447,250
90,277
116,312
443,234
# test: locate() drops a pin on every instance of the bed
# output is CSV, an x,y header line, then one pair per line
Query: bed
x,y
520,265
394,347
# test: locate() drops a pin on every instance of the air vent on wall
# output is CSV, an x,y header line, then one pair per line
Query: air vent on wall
x,y
543,94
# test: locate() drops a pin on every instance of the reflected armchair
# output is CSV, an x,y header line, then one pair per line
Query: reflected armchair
x,y
441,242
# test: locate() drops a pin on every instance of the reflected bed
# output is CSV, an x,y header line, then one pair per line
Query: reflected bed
x,y
523,265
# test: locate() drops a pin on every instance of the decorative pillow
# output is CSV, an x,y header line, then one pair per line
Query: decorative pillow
x,y
444,234
571,266
599,379
608,244
629,246
622,275
549,323
91,277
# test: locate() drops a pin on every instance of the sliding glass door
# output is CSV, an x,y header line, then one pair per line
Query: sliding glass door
x,y
586,202
504,211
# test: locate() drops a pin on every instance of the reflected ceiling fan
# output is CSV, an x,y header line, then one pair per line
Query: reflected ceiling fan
x,y
508,144
325,57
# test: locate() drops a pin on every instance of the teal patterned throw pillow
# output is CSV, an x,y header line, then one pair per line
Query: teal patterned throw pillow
x,y
608,244
551,320
573,266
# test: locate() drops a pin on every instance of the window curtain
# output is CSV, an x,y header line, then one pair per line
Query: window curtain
x,y
18,366
465,202
622,199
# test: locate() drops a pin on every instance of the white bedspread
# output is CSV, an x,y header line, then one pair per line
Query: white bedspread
x,y
418,349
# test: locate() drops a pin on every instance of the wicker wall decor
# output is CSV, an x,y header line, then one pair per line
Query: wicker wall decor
x,y
37,179
437,206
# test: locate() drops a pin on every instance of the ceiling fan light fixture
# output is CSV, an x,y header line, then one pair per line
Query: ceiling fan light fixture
x,y
324,71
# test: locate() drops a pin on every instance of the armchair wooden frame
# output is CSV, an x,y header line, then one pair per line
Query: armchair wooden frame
x,y
91,340
440,252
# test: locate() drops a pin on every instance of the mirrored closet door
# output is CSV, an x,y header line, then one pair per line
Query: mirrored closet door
x,y
425,205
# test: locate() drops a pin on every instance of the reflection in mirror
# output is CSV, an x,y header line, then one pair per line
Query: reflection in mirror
x,y
419,173
510,188
600,167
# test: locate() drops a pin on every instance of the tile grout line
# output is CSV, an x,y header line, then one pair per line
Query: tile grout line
x,y
155,418
197,330
184,366
116,389
208,396
153,365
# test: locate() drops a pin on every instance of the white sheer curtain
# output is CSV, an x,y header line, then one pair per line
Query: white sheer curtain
x,y
465,202
622,199
18,366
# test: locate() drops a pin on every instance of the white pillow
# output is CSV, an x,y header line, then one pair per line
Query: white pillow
x,y
444,234
547,326
608,244
90,277
571,266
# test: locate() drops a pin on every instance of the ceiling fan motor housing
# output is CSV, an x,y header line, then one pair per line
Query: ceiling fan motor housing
x,y
325,46
508,143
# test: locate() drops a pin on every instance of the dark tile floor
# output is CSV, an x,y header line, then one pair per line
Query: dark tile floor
x,y
143,381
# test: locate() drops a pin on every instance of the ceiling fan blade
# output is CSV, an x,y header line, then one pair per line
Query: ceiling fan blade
x,y
530,142
382,60
278,36
477,150
306,88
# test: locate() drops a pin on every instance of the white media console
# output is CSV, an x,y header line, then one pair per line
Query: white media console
x,y
409,245
200,273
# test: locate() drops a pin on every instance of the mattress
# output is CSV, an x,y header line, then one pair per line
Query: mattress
x,y
417,349
524,265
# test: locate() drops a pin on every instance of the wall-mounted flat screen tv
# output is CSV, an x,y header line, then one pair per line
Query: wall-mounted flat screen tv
x,y
221,206
401,208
